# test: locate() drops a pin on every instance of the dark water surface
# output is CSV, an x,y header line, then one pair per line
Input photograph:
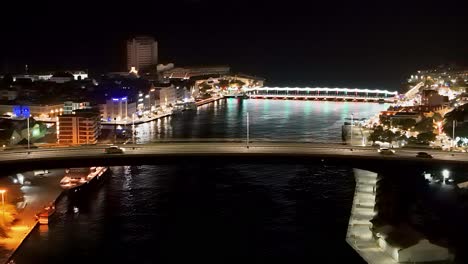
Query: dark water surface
x,y
204,213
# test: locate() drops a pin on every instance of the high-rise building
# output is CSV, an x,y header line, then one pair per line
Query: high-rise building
x,y
83,127
142,52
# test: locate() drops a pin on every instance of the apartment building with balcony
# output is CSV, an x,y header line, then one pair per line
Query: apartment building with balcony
x,y
83,127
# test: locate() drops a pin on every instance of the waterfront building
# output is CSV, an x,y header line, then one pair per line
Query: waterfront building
x,y
83,127
142,53
118,108
167,96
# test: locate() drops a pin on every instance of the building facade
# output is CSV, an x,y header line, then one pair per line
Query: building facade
x,y
83,127
74,75
432,98
69,107
118,109
167,97
142,53
8,95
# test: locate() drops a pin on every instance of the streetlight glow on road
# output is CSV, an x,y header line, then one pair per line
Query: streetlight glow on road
x,y
3,191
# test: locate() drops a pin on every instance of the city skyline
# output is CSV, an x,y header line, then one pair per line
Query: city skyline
x,y
359,45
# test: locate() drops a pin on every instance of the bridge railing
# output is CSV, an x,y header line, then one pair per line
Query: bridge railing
x,y
258,141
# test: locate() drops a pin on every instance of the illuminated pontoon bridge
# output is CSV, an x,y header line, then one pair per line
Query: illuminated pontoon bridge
x,y
322,93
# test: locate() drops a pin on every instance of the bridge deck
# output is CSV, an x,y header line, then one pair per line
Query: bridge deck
x,y
360,157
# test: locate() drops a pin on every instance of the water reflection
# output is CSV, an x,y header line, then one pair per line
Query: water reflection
x,y
315,121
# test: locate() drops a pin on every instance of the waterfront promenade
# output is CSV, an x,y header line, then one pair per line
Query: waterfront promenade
x,y
139,120
44,190
146,119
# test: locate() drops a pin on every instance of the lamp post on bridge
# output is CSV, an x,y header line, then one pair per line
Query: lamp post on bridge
x,y
29,137
3,204
351,138
453,133
133,129
247,143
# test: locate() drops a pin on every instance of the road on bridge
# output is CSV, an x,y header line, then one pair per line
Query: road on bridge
x,y
227,148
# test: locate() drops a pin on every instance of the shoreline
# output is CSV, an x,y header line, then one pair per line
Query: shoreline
x,y
146,120
28,233
25,221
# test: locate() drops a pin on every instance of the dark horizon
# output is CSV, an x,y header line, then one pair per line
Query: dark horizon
x,y
292,43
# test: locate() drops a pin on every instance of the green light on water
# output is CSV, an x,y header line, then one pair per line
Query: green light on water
x,y
307,108
266,106
326,107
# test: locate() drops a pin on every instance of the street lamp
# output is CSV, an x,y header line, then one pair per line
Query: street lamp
x,y
151,91
453,133
248,130
3,203
133,128
29,136
149,103
351,138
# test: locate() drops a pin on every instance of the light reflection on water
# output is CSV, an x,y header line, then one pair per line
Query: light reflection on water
x,y
313,121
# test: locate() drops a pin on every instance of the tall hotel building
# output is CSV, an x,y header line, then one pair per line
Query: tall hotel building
x,y
142,52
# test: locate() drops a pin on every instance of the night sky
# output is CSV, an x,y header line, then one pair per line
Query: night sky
x,y
295,43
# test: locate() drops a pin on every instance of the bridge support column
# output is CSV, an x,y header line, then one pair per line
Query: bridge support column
x,y
359,235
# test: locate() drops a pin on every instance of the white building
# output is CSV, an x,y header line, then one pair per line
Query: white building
x,y
118,109
59,77
62,77
142,52
167,97
79,75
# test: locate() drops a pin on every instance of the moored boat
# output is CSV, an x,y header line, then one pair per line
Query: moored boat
x,y
77,179
45,214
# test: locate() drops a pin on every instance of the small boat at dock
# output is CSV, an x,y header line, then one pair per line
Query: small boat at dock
x,y
77,179
45,214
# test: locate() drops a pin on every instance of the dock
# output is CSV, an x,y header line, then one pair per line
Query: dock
x,y
45,191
